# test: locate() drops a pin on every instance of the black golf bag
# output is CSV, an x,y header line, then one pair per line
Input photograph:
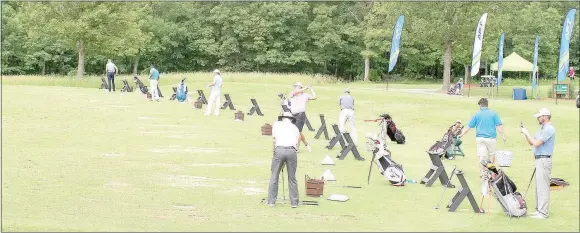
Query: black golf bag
x,y
449,144
389,128
505,191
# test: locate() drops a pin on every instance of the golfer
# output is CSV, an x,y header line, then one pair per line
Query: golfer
x,y
214,97
485,122
286,138
298,100
346,103
111,70
543,143
154,82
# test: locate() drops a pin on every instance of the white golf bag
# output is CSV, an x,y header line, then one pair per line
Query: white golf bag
x,y
392,171
505,191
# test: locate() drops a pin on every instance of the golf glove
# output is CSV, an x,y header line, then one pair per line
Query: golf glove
x,y
525,131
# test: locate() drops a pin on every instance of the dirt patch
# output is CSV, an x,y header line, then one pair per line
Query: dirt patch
x,y
112,154
173,149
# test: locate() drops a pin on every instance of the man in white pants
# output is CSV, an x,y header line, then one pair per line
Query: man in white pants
x,y
346,103
216,89
153,82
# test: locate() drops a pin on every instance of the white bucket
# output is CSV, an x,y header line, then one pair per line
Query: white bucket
x,y
503,158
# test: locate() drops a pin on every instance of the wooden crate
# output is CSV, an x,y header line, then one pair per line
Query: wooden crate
x,y
239,116
267,129
197,104
314,188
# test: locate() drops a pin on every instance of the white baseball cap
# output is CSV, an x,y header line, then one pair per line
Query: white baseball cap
x,y
347,90
299,84
216,71
542,112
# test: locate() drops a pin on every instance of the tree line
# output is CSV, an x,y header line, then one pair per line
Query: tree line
x,y
350,40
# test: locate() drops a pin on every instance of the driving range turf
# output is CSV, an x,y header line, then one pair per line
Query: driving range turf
x,y
82,159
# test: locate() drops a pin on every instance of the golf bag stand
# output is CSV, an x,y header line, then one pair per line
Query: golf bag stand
x,y
126,86
322,128
255,108
437,171
463,192
201,97
307,123
336,139
351,147
104,84
228,103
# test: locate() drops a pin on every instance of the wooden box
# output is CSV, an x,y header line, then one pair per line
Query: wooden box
x,y
267,129
197,104
239,116
314,188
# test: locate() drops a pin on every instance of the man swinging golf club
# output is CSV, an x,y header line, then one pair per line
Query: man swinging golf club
x,y
286,137
543,143
485,122
298,100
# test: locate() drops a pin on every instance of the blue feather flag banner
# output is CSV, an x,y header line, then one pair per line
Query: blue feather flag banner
x,y
395,43
477,43
564,59
500,58
535,67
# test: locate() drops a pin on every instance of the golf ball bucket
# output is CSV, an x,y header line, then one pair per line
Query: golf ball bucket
x,y
503,158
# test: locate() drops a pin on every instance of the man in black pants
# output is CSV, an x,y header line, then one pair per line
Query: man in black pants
x,y
111,70
298,100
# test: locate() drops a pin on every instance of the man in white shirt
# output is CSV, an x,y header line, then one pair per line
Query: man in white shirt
x,y
286,136
298,100
111,70
216,89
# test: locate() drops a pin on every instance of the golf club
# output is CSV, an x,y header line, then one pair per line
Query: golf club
x,y
530,183
448,182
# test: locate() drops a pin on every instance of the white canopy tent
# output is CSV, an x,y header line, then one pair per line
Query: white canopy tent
x,y
515,62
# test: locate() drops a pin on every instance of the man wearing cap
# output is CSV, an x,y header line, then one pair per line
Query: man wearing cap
x,y
154,82
216,89
111,69
485,122
543,143
286,137
298,100
346,103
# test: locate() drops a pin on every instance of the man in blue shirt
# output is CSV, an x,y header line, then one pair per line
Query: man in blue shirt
x,y
485,122
153,82
543,143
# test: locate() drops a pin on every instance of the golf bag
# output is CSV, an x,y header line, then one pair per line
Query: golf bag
x,y
389,128
181,93
392,171
449,144
454,90
505,191
141,86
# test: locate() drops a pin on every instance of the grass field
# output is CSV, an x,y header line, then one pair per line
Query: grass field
x,y
82,159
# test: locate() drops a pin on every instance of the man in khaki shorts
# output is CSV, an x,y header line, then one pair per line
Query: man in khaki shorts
x,y
485,122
